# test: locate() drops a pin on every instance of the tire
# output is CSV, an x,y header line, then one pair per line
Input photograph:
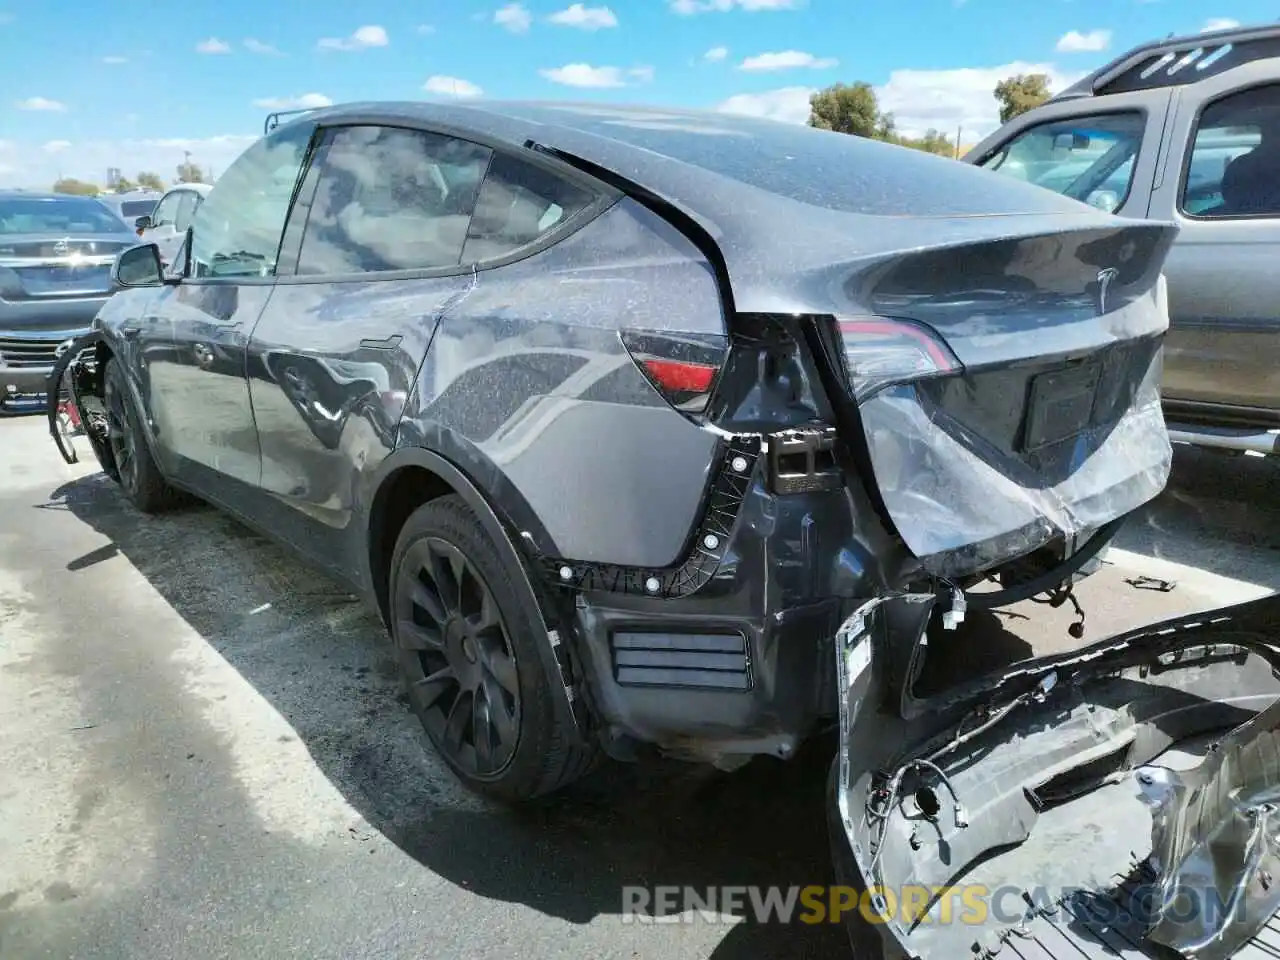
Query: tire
x,y
469,659
133,466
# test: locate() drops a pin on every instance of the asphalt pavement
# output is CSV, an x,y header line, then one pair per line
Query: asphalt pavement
x,y
203,751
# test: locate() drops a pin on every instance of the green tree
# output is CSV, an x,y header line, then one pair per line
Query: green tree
x,y
931,142
124,185
189,172
78,187
150,181
1018,94
850,108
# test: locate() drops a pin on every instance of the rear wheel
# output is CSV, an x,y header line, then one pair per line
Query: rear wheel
x,y
136,471
469,659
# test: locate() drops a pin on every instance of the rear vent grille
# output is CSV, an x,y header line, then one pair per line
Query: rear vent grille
x,y
698,660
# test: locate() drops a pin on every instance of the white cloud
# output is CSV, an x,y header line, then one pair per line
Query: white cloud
x,y
257,46
584,18
423,29
716,54
42,103
642,74
56,146
789,104
585,75
918,99
114,60
513,17
787,60
451,87
947,99
308,101
1219,23
31,165
687,8
1073,41
364,38
213,45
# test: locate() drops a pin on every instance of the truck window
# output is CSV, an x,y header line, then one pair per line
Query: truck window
x,y
1234,167
1088,158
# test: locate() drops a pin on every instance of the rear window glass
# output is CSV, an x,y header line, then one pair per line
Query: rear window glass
x,y
830,170
1233,165
57,215
132,209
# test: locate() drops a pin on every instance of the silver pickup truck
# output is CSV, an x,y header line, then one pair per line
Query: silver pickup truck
x,y
1184,130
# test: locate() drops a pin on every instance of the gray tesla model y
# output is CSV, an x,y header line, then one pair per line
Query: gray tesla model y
x,y
615,414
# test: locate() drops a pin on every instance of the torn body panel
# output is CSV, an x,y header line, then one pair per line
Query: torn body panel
x,y
1023,792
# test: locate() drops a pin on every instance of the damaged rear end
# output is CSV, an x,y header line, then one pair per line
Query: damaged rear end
x,y
1118,800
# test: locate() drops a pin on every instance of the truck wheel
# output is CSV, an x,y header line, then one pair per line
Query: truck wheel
x,y
135,470
469,659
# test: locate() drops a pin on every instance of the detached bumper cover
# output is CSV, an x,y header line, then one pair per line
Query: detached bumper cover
x,y
1216,829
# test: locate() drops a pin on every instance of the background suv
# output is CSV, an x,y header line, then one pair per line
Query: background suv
x,y
1185,130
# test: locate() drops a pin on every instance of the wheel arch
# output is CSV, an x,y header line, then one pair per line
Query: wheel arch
x,y
413,475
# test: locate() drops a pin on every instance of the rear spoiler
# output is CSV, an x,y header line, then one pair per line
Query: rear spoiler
x,y
274,119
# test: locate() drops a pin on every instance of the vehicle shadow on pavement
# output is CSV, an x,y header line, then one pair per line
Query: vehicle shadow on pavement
x,y
321,659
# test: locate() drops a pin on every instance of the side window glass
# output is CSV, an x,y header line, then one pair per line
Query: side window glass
x,y
237,229
1234,170
186,207
1089,158
165,210
518,203
391,199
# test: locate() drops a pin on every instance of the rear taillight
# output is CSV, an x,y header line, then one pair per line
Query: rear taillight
x,y
879,351
681,367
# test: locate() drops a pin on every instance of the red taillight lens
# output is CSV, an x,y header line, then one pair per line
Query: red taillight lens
x,y
681,367
678,376
879,351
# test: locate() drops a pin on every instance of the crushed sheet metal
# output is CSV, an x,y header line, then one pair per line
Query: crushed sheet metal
x,y
1216,842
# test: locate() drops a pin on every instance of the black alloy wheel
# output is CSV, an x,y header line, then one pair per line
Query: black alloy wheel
x,y
458,658
122,438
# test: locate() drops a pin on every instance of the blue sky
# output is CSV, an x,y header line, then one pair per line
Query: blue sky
x,y
113,84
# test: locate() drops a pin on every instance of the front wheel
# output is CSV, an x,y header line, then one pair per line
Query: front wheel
x,y
469,659
135,469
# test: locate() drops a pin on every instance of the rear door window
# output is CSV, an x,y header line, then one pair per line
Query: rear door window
x,y
1234,167
391,199
518,204
1089,158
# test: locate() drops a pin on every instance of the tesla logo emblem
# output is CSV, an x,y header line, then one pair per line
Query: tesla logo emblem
x,y
61,248
1105,277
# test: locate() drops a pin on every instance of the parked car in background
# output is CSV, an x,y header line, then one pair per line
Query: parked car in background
x,y
167,224
56,252
132,204
1184,130
614,413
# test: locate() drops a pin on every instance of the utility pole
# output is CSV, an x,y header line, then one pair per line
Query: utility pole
x,y
959,134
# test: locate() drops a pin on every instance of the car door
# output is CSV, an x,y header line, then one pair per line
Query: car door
x,y
199,400
170,237
163,229
377,232
1223,345
1105,156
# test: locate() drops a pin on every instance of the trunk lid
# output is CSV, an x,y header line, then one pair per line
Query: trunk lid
x,y
1004,390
